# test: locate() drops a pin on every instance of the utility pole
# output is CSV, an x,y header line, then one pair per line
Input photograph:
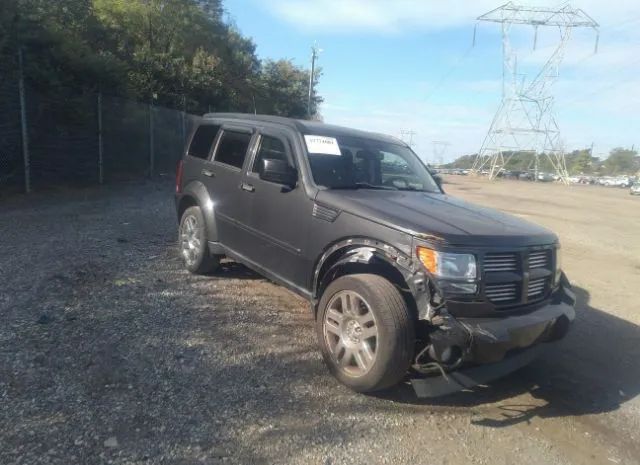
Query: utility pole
x,y
315,51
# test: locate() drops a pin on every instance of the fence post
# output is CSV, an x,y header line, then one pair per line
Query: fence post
x,y
184,130
23,124
100,146
151,142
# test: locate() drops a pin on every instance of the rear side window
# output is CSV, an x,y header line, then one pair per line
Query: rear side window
x,y
270,149
202,141
233,148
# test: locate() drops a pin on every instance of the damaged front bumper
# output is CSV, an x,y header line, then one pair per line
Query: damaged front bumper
x,y
491,347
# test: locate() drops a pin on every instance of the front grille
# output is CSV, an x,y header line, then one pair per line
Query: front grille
x,y
539,259
512,279
501,293
495,262
536,288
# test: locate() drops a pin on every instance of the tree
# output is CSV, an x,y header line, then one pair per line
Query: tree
x,y
283,90
580,161
183,51
622,161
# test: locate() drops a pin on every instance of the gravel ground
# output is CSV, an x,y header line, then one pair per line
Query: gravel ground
x,y
111,353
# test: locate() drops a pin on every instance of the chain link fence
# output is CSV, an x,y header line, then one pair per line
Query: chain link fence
x,y
11,159
76,138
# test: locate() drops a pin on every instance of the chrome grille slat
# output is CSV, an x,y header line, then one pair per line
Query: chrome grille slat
x,y
536,287
495,262
502,292
539,259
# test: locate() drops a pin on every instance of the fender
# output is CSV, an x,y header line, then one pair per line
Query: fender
x,y
361,251
200,194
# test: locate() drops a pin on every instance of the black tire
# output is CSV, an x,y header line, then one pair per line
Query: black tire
x,y
394,343
197,259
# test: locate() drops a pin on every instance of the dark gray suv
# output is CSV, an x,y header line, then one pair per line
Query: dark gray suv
x,y
402,278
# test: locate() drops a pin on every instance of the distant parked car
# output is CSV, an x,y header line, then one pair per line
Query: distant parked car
x,y
635,189
544,177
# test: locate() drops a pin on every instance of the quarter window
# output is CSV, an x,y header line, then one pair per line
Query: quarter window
x,y
270,149
202,141
232,148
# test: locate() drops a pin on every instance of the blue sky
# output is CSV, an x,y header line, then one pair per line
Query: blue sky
x,y
409,65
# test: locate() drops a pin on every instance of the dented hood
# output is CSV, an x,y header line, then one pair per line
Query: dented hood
x,y
450,219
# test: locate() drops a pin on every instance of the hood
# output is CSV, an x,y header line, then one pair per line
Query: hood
x,y
438,217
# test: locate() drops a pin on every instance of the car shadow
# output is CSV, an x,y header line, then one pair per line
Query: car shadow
x,y
229,269
593,370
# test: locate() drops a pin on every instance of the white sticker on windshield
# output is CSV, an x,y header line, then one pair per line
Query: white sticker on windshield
x,y
322,145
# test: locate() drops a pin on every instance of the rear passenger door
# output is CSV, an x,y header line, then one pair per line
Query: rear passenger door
x,y
280,216
226,183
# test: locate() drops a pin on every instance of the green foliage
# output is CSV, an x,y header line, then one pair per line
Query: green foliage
x,y
620,161
180,52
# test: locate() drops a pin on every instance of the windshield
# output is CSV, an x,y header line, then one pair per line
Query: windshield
x,y
370,164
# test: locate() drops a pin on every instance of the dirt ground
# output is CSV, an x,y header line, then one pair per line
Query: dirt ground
x,y
111,353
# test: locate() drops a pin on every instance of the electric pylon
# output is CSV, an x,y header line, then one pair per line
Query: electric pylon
x,y
525,120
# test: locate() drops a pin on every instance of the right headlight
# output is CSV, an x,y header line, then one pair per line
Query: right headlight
x,y
558,270
448,265
455,272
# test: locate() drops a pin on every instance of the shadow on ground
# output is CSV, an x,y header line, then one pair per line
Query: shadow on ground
x,y
593,370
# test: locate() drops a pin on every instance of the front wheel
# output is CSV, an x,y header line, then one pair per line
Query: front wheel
x,y
365,331
193,243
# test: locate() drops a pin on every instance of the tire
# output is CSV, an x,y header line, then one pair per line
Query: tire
x,y
192,242
357,358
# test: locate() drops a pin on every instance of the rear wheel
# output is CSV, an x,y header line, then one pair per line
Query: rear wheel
x,y
365,331
193,243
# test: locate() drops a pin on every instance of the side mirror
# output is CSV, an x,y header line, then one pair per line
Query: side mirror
x,y
438,179
279,172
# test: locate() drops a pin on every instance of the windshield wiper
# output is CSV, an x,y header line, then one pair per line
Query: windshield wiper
x,y
414,189
365,185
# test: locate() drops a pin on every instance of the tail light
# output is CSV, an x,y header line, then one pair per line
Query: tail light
x,y
179,177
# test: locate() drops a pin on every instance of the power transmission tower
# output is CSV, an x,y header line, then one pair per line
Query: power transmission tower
x,y
439,149
408,134
525,120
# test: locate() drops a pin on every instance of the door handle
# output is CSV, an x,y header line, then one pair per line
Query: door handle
x,y
247,187
208,173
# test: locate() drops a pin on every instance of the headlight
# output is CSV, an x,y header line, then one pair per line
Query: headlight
x,y
558,270
448,265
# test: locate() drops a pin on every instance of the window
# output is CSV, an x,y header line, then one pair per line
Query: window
x,y
233,148
366,163
270,149
202,141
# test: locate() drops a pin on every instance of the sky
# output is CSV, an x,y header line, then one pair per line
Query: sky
x,y
411,65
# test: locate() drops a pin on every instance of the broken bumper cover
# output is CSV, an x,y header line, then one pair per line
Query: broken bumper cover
x,y
501,345
492,339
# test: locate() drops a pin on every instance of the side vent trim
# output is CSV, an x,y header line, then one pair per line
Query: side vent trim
x,y
324,213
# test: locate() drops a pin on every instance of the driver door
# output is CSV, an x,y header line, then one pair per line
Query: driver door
x,y
280,216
